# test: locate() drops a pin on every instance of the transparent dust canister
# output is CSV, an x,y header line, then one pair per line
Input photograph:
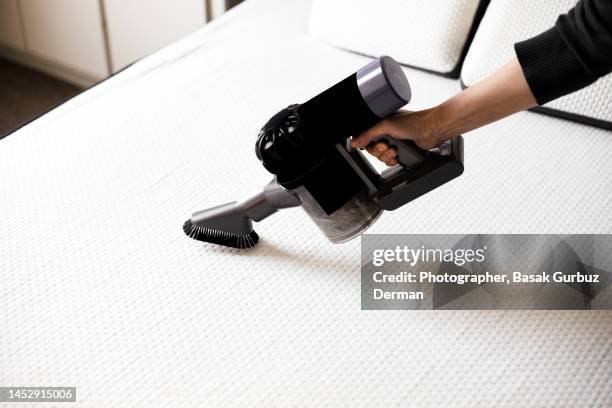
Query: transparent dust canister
x,y
345,223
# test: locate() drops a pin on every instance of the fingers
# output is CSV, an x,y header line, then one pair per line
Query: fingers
x,y
366,137
389,155
377,149
383,153
391,162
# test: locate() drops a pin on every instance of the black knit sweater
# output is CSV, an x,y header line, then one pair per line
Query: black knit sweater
x,y
571,55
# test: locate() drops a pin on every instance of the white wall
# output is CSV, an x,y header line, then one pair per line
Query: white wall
x,y
139,27
84,41
68,32
10,25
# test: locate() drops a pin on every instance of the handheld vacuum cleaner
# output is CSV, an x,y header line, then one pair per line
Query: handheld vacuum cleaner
x,y
307,147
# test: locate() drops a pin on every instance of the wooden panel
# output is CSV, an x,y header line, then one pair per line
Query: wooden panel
x,y
10,25
69,32
139,27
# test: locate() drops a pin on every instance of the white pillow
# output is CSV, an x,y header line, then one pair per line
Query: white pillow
x,y
425,34
509,21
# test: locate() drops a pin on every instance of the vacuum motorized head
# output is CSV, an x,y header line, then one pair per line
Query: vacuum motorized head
x,y
306,146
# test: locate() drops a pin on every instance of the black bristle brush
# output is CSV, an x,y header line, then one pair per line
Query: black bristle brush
x,y
227,225
214,236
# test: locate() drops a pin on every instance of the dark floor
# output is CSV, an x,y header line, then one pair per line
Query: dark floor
x,y
26,94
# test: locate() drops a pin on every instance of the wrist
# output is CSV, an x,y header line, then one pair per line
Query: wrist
x,y
433,127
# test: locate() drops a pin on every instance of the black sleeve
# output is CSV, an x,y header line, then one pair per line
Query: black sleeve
x,y
572,54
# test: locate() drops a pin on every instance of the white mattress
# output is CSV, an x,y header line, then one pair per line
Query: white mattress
x,y
101,289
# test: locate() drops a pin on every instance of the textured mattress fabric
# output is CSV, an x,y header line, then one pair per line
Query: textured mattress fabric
x,y
508,21
426,34
101,290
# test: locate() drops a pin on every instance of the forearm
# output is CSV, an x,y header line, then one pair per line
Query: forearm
x,y
501,94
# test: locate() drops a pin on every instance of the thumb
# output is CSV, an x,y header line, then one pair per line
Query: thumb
x,y
364,139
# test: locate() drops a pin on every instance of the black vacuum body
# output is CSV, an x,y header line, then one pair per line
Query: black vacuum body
x,y
307,148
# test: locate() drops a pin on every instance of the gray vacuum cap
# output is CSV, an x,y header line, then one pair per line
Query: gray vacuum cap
x,y
383,86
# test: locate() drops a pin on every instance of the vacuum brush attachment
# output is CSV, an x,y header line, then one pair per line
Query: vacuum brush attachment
x,y
226,225
231,224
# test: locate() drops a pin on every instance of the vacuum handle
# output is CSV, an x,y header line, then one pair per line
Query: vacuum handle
x,y
408,153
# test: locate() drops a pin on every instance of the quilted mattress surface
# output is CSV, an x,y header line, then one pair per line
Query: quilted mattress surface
x,y
100,289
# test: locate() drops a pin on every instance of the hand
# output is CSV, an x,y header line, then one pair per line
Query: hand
x,y
415,126
501,94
